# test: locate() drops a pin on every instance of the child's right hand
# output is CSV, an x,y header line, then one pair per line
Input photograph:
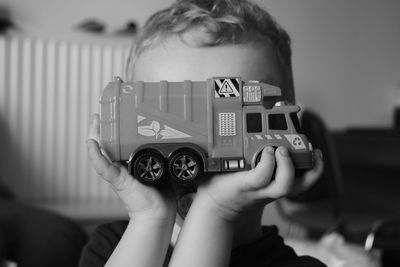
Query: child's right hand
x,y
233,194
142,202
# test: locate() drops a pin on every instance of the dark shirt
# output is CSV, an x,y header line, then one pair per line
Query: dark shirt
x,y
269,251
32,236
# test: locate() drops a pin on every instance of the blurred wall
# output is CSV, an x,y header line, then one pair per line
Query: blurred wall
x,y
345,57
346,60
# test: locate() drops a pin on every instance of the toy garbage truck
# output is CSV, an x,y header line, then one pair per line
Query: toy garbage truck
x,y
182,129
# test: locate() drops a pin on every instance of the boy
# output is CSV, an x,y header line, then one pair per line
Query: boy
x,y
195,40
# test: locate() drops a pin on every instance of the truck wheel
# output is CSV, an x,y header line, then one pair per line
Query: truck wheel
x,y
149,168
185,166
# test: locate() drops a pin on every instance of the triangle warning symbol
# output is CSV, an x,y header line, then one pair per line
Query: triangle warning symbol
x,y
226,88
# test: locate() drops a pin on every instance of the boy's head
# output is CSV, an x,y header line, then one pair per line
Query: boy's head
x,y
199,39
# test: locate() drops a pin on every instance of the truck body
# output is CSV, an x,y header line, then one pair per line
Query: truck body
x,y
222,124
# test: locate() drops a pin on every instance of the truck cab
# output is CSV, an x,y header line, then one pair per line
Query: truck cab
x,y
278,126
265,121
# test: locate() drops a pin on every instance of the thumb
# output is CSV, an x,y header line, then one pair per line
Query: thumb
x,y
261,175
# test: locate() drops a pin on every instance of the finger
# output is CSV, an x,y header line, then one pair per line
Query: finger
x,y
101,164
261,175
284,177
311,176
94,128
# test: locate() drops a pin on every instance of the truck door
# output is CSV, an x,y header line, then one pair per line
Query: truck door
x,y
279,128
225,118
253,132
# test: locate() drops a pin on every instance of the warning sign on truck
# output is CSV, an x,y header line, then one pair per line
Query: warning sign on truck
x,y
226,88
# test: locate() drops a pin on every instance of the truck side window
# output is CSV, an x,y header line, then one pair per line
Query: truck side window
x,y
296,122
254,123
277,122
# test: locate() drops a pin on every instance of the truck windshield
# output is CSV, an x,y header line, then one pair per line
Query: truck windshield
x,y
295,121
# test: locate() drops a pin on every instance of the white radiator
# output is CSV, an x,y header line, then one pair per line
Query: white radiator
x,y
48,90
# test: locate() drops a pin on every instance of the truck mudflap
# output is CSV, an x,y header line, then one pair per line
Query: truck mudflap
x,y
303,160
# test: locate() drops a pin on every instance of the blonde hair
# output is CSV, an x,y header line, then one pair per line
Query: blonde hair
x,y
225,22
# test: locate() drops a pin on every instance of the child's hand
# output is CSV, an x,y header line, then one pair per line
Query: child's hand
x,y
310,177
233,194
141,201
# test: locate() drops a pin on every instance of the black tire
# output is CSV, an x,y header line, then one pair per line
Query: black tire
x,y
185,167
148,167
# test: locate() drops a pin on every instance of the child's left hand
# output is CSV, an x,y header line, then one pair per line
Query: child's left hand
x,y
233,194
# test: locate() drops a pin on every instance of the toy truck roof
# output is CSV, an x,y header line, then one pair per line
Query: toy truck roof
x,y
252,92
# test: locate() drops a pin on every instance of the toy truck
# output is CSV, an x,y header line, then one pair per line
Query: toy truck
x,y
186,128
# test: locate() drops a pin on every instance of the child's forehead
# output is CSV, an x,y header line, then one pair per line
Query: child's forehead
x,y
174,60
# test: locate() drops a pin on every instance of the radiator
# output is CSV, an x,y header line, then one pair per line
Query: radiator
x,y
48,90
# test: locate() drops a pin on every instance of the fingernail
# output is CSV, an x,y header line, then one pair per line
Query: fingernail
x,y
284,151
270,150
